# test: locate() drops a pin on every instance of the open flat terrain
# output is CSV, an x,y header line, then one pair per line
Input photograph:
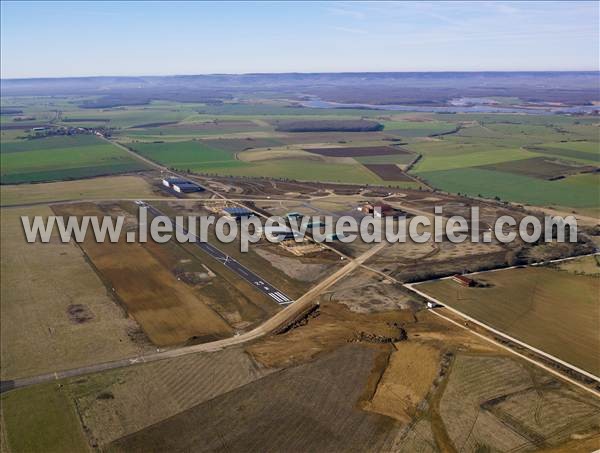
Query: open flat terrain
x,y
64,157
543,160
369,368
166,308
84,189
56,312
554,310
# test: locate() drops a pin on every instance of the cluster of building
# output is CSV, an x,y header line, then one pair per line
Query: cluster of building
x,y
49,131
380,210
181,185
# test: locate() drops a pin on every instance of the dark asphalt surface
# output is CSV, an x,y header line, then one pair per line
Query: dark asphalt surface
x,y
258,282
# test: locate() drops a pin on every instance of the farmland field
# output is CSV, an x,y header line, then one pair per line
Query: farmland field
x,y
515,155
388,172
579,191
553,310
166,308
206,159
538,167
44,286
57,158
320,416
357,151
92,188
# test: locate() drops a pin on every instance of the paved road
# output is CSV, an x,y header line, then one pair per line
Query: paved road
x,y
272,324
258,282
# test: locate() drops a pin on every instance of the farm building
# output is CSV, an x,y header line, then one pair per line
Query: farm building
x,y
381,210
168,182
464,281
237,212
187,187
182,185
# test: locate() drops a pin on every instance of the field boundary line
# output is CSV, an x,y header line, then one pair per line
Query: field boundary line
x,y
410,286
275,322
524,357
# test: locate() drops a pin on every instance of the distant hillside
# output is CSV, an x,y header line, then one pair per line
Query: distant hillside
x,y
417,88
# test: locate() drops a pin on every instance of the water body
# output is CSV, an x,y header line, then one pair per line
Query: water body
x,y
463,105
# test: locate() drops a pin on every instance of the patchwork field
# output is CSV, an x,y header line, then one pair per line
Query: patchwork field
x,y
166,308
539,167
199,157
439,389
56,158
540,160
120,402
357,151
516,159
308,407
553,310
56,313
388,172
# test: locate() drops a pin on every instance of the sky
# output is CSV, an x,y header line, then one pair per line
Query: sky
x,y
56,39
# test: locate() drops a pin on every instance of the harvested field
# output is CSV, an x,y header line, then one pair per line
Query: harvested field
x,y
93,188
56,313
408,377
178,384
539,167
555,311
358,151
328,126
496,402
388,172
167,309
588,265
91,411
307,408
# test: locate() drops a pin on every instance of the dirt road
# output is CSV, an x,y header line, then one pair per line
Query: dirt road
x,y
280,319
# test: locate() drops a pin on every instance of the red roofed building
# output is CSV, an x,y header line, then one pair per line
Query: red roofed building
x,y
465,281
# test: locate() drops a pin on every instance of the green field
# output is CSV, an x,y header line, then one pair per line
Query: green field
x,y
62,157
513,157
42,419
205,158
579,191
540,160
554,310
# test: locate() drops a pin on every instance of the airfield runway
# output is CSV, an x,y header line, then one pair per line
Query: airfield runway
x,y
229,262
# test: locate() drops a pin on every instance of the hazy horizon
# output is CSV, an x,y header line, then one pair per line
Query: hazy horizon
x,y
208,74
133,39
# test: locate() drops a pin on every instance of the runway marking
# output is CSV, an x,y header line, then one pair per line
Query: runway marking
x,y
285,298
276,297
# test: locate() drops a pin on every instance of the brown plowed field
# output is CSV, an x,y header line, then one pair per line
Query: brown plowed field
x,y
311,407
388,172
358,151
